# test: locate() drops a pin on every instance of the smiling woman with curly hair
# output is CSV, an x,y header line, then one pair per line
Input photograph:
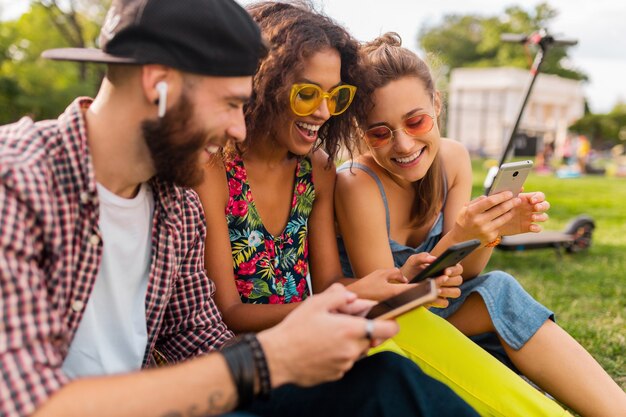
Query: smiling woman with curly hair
x,y
296,33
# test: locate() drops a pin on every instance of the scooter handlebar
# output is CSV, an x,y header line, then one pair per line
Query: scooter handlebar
x,y
564,42
536,38
513,38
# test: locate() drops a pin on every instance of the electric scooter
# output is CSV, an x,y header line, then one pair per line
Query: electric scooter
x,y
577,235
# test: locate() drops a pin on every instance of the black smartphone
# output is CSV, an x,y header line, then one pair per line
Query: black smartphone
x,y
422,293
452,256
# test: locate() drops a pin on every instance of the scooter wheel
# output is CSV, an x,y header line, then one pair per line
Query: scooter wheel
x,y
581,238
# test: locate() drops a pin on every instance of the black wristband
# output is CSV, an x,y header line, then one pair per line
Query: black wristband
x,y
260,362
239,358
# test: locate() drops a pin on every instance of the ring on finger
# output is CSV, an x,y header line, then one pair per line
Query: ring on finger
x,y
369,329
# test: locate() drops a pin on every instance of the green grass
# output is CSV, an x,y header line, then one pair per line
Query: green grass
x,y
585,290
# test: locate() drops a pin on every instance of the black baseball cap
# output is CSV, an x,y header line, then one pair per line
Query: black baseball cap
x,y
208,37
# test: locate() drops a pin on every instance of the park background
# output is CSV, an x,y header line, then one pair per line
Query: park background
x,y
586,290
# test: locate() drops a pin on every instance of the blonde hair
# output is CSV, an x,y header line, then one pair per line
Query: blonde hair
x,y
389,61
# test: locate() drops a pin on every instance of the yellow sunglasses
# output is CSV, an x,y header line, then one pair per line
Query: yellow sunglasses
x,y
306,98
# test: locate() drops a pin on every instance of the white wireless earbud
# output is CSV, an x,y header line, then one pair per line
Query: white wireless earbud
x,y
161,87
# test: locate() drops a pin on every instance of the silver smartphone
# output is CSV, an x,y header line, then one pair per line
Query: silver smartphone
x,y
422,293
511,177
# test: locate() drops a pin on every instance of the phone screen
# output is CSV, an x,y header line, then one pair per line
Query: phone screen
x,y
452,256
423,293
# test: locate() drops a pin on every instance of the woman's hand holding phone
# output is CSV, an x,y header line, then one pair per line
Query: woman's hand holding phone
x,y
416,264
484,217
448,285
380,284
531,210
532,206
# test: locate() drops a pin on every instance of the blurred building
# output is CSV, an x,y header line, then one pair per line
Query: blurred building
x,y
484,103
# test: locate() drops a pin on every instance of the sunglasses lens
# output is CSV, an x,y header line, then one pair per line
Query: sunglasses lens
x,y
415,126
418,124
306,100
340,99
378,136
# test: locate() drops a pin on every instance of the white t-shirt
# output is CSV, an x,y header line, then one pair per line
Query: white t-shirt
x,y
112,335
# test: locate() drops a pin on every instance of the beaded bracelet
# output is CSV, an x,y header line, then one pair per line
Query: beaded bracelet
x,y
494,243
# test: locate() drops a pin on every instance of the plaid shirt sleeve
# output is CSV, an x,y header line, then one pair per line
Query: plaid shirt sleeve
x,y
30,362
192,324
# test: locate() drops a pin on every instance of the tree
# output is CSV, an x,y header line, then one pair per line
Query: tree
x,y
32,85
73,19
474,41
603,129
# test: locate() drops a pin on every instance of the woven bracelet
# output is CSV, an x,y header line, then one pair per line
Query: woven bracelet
x,y
260,362
240,360
494,243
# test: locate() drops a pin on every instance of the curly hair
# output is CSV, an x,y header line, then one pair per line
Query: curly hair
x,y
389,61
295,32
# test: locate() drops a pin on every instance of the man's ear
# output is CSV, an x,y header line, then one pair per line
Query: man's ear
x,y
161,87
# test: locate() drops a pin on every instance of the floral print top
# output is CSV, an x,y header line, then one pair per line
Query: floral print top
x,y
269,269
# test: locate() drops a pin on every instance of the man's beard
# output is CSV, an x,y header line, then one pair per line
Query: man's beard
x,y
174,144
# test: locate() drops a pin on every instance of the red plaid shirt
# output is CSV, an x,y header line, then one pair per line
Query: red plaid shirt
x,y
50,253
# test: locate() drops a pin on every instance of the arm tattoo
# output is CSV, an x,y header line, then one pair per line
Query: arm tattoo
x,y
218,403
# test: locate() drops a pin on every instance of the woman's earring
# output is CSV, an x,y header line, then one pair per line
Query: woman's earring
x,y
161,87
